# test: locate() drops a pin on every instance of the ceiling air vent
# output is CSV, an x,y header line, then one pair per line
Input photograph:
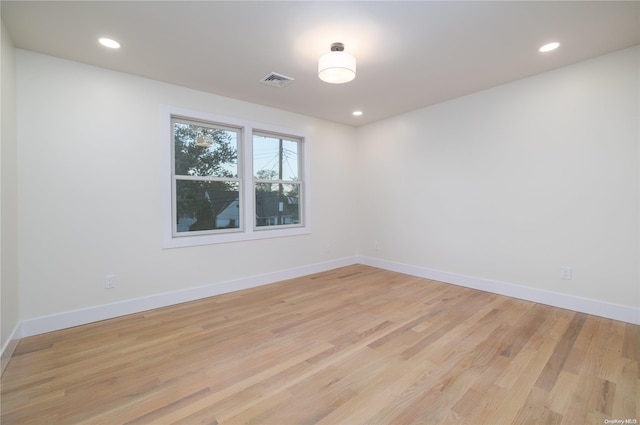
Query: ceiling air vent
x,y
275,79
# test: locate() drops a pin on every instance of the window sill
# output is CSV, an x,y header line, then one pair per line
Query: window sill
x,y
197,240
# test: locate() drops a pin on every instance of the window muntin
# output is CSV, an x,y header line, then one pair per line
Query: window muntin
x,y
277,186
206,183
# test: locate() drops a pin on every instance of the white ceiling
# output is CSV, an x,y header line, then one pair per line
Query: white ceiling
x,y
410,54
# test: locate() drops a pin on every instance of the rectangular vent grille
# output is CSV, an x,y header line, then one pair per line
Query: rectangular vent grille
x,y
276,80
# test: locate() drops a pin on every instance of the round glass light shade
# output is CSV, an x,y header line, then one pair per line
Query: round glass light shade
x,y
337,67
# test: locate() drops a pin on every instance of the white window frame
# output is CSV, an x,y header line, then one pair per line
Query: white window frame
x,y
248,229
174,178
300,163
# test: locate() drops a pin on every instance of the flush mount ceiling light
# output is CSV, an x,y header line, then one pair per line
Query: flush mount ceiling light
x,y
549,47
107,42
337,66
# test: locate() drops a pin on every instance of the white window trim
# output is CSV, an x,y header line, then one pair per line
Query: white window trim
x,y
248,231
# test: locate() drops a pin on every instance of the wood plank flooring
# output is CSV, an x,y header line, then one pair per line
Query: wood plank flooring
x,y
355,345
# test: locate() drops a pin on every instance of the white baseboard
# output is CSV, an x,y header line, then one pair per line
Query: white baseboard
x,y
623,313
9,347
69,319
64,320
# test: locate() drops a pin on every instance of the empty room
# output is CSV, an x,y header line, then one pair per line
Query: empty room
x,y
320,212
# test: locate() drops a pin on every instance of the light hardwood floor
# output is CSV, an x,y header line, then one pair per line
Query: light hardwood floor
x,y
356,345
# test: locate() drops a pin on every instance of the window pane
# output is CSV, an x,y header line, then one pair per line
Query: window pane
x,y
204,205
275,158
205,151
277,204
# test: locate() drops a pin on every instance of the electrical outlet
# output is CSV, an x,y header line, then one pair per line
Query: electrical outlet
x,y
110,281
565,272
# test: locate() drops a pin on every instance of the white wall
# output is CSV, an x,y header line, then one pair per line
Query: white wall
x,y
512,183
90,190
9,292
507,185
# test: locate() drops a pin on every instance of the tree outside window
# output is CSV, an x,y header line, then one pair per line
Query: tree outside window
x,y
207,187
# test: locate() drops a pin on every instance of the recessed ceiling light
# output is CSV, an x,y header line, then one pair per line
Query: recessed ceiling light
x,y
549,47
107,42
357,113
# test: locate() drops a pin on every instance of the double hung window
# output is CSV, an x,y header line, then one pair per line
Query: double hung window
x,y
206,183
231,180
277,188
